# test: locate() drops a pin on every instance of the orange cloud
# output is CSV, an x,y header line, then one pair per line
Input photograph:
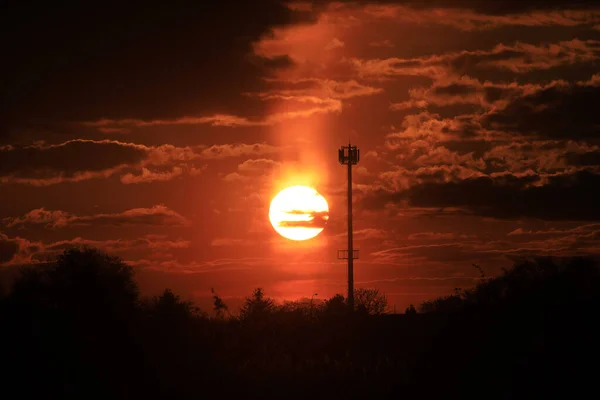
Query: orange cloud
x,y
156,215
382,43
518,58
466,19
79,160
321,88
316,105
148,176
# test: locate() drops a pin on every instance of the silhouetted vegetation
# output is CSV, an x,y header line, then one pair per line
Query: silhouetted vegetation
x,y
410,310
78,328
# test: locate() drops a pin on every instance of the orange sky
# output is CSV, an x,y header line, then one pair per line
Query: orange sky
x,y
478,140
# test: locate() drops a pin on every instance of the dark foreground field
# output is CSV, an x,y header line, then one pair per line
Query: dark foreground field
x,y
78,328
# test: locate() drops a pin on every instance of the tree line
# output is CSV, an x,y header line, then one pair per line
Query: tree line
x,y
79,327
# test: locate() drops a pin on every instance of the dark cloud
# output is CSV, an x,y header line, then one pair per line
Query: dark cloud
x,y
19,251
316,219
477,147
8,249
562,197
500,7
155,243
448,252
122,60
455,89
504,62
495,93
438,236
590,158
14,250
77,160
467,61
557,111
238,149
155,216
69,157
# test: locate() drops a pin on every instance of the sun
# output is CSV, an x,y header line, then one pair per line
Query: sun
x,y
299,213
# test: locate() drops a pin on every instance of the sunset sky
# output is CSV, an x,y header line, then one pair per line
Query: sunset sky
x,y
161,133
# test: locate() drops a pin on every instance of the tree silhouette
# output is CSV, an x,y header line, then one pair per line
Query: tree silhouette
x,y
82,322
480,270
92,281
539,280
219,305
370,301
410,310
83,282
78,314
335,306
257,307
169,308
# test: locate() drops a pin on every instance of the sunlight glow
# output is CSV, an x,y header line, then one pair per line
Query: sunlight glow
x,y
298,213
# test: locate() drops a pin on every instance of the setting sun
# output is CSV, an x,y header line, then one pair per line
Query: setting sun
x,y
298,213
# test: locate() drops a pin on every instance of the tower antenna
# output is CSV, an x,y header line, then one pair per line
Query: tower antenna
x,y
349,155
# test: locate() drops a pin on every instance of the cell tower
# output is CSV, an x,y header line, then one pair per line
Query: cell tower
x,y
349,155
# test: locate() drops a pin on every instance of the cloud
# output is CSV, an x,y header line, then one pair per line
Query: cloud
x,y
74,77
253,168
393,67
476,16
559,110
462,90
429,129
438,236
448,252
303,107
540,155
334,44
148,176
158,215
220,242
16,250
583,229
487,252
257,166
19,251
401,178
69,157
214,120
80,159
8,249
219,265
109,131
580,240
382,43
518,58
238,150
154,243
525,125
408,105
305,219
484,252
366,234
504,196
313,223
234,177
586,158
321,88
